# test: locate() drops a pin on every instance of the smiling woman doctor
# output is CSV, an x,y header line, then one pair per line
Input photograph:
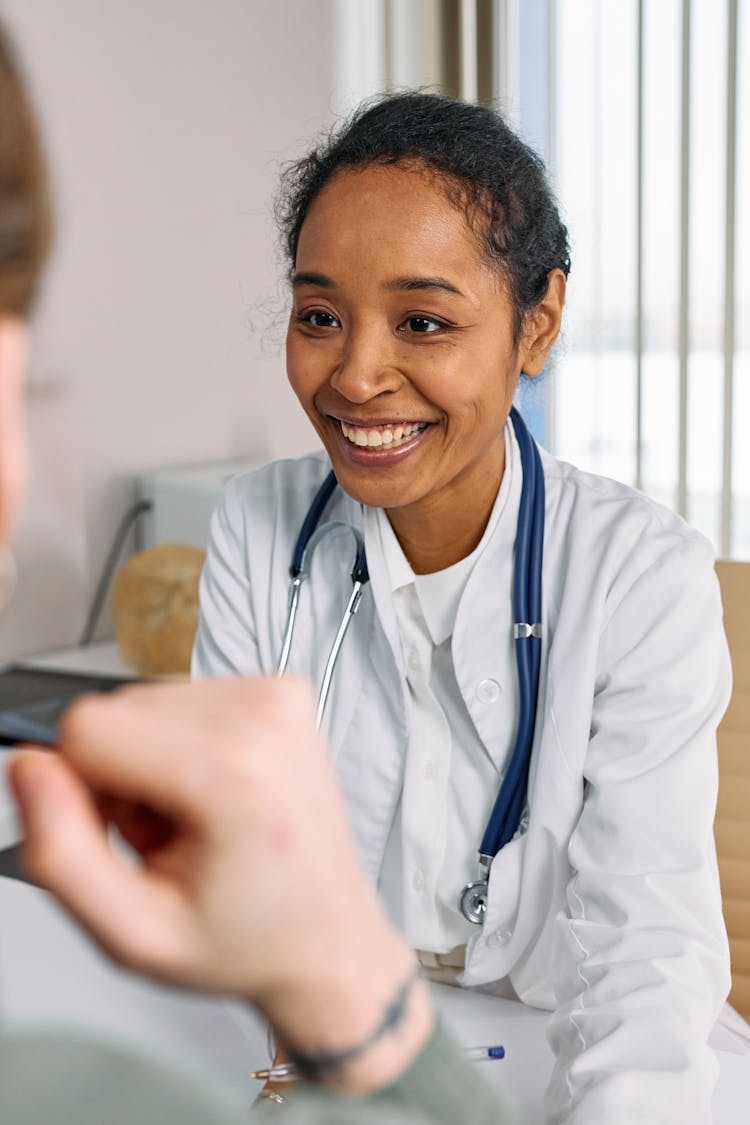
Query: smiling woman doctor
x,y
428,266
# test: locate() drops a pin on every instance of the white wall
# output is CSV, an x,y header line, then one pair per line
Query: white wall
x,y
158,340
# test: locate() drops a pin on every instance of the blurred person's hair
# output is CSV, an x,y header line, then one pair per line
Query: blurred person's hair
x,y
25,215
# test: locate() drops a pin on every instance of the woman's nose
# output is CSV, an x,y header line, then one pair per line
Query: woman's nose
x,y
366,368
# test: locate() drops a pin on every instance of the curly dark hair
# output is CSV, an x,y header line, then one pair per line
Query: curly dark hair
x,y
487,170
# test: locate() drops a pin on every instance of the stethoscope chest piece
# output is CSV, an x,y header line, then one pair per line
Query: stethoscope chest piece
x,y
474,901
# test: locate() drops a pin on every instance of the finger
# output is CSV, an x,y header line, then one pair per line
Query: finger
x,y
136,744
135,916
142,828
157,744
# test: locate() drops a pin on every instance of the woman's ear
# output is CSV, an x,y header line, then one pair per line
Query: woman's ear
x,y
543,325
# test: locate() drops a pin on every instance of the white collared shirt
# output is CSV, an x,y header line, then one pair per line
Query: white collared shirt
x,y
450,780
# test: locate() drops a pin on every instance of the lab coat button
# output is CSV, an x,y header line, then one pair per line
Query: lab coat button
x,y
413,660
429,770
498,938
488,691
418,881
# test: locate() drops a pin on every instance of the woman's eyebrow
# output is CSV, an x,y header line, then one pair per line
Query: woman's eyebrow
x,y
409,284
318,279
403,284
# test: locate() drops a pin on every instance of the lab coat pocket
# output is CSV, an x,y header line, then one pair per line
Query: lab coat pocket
x,y
492,952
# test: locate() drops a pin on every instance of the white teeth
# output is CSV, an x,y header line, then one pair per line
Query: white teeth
x,y
385,437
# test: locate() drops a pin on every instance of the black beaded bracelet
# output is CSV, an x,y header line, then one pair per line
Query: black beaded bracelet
x,y
316,1067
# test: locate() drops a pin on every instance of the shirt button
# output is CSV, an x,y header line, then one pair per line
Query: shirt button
x,y
417,881
488,691
499,937
413,660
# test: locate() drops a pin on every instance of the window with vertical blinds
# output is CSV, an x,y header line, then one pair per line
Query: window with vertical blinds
x,y
641,109
652,162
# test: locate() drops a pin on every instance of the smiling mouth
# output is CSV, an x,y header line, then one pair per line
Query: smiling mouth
x,y
387,436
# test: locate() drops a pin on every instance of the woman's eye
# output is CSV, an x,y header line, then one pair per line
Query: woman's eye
x,y
319,318
422,325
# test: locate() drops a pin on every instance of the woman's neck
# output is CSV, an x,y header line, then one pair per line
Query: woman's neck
x,y
446,527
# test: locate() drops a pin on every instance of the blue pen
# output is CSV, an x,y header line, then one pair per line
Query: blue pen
x,y
483,1054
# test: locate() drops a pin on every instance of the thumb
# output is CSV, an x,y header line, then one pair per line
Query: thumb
x,y
67,851
54,807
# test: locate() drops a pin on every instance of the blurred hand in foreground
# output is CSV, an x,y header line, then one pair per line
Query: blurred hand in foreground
x,y
248,881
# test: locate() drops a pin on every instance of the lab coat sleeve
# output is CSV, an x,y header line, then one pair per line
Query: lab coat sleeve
x,y
226,641
643,966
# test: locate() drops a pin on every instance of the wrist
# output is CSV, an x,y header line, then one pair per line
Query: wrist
x,y
360,1019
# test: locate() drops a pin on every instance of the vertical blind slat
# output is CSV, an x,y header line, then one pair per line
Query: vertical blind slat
x,y
552,96
469,77
729,279
639,255
683,339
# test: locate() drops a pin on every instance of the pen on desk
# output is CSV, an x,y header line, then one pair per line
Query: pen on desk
x,y
288,1072
483,1054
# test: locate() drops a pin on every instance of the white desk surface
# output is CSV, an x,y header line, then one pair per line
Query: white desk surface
x,y
52,976
101,659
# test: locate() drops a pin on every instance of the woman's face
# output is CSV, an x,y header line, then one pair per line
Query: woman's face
x,y
400,344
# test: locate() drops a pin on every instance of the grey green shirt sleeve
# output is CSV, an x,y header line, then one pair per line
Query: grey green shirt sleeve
x,y
70,1081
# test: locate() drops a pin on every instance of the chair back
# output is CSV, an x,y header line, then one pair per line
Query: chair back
x,y
732,827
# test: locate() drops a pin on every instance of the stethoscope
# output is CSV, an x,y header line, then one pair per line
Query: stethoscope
x,y
507,812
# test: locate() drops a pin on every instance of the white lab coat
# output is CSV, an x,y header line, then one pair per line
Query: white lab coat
x,y
607,910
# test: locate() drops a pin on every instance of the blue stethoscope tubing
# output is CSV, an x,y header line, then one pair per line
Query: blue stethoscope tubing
x,y
508,809
527,631
505,818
